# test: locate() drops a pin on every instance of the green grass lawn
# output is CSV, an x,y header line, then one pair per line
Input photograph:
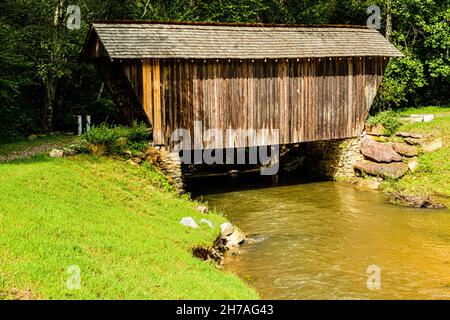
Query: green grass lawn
x,y
433,176
425,110
118,223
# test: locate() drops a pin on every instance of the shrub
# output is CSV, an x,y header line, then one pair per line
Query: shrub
x,y
138,132
388,119
102,134
135,137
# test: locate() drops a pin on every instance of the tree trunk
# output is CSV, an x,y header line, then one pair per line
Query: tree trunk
x,y
49,104
59,14
99,95
389,21
51,80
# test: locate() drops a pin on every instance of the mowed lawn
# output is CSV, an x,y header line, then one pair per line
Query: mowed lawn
x,y
117,223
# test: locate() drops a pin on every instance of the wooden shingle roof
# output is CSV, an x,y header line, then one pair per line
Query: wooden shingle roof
x,y
205,41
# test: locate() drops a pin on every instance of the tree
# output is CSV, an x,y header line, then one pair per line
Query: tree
x,y
389,20
421,30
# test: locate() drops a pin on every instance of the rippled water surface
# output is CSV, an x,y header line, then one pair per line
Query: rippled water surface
x,y
316,241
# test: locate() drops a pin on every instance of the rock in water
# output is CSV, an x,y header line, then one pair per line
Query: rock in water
x,y
56,153
415,201
405,149
392,170
432,146
189,222
226,229
379,152
235,239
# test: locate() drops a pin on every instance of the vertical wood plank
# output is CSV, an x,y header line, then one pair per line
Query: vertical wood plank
x,y
157,130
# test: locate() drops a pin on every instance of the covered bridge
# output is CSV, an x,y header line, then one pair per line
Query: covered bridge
x,y
306,83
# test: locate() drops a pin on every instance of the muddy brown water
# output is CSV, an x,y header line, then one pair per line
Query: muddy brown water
x,y
326,240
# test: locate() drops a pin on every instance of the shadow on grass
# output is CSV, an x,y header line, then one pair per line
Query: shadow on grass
x,y
38,158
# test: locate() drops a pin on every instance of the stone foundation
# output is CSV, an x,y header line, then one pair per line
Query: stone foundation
x,y
332,159
169,163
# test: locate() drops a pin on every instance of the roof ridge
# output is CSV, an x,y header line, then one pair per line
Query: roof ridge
x,y
229,24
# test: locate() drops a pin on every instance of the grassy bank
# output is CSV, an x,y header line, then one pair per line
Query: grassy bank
x,y
433,175
118,223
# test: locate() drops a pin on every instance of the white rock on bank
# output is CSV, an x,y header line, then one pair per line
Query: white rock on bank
x,y
416,118
413,164
428,117
209,223
189,222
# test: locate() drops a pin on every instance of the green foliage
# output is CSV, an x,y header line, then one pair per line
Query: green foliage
x,y
135,137
403,78
422,33
138,132
388,119
103,134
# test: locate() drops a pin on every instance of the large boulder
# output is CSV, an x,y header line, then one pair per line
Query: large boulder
x,y
393,170
405,149
379,152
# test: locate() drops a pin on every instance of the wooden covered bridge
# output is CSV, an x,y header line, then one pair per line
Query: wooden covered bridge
x,y
306,82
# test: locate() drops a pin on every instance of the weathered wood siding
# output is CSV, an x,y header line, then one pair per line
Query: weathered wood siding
x,y
305,99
